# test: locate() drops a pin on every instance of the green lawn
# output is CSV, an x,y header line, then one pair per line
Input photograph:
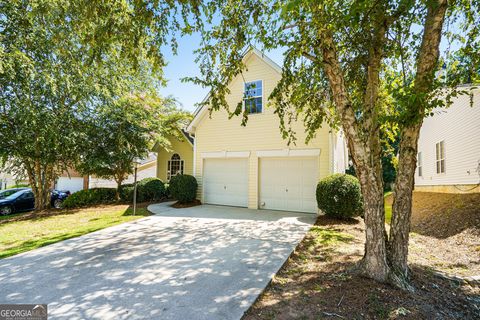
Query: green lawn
x,y
388,208
21,236
388,213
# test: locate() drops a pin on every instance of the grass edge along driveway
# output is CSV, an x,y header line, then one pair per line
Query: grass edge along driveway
x,y
25,235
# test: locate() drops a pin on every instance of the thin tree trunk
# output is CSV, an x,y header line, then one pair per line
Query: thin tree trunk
x,y
117,192
402,206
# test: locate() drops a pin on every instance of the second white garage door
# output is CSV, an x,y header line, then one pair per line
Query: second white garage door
x,y
225,182
72,184
288,184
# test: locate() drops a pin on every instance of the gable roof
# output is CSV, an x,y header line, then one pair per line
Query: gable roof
x,y
187,136
202,109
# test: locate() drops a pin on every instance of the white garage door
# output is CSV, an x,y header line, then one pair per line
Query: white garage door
x,y
72,184
288,184
225,181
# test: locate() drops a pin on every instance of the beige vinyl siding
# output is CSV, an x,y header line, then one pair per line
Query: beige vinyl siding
x,y
183,148
459,127
218,133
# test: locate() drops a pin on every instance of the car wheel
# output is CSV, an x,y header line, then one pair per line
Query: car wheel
x,y
5,210
58,204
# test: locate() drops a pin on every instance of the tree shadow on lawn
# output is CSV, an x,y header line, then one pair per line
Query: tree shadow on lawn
x,y
40,215
50,238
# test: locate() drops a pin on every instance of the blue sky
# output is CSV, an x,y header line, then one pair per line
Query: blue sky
x,y
183,65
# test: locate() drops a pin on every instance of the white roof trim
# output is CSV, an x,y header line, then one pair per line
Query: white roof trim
x,y
288,153
225,154
200,111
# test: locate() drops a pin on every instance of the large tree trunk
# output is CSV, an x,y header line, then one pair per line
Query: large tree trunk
x,y
402,206
364,145
374,262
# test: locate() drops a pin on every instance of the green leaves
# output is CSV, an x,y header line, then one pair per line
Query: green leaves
x,y
61,61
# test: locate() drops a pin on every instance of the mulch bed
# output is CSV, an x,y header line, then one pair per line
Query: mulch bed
x,y
318,282
179,205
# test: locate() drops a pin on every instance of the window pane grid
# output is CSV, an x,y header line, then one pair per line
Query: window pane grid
x,y
440,157
174,166
253,97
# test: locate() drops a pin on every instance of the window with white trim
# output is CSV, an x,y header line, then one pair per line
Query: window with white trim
x,y
419,164
440,156
253,97
174,166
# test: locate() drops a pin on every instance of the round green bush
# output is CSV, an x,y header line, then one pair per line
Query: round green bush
x,y
339,196
183,188
126,192
150,189
90,197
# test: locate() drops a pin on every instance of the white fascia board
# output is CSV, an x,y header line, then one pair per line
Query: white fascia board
x,y
288,153
225,154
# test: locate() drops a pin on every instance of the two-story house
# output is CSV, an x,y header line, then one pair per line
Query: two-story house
x,y
252,166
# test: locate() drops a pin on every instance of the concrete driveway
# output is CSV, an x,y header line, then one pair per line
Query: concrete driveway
x,y
205,262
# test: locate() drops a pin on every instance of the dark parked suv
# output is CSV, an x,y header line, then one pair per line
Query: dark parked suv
x,y
24,200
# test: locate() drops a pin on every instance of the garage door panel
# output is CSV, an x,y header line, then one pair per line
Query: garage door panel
x,y
225,182
288,184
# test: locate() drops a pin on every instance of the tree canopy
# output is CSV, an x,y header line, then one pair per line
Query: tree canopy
x,y
59,61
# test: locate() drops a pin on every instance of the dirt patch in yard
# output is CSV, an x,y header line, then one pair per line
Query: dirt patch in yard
x,y
446,232
443,215
317,283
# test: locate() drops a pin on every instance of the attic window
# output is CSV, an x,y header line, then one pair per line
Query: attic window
x,y
253,98
174,166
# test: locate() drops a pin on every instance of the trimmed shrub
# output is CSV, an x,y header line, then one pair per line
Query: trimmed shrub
x,y
168,195
126,192
150,189
90,197
183,188
339,196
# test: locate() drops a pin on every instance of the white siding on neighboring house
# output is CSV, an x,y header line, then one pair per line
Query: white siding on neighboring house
x,y
149,172
459,128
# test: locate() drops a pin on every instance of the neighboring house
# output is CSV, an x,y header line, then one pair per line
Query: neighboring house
x,y
253,166
178,159
147,168
8,180
448,158
72,181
